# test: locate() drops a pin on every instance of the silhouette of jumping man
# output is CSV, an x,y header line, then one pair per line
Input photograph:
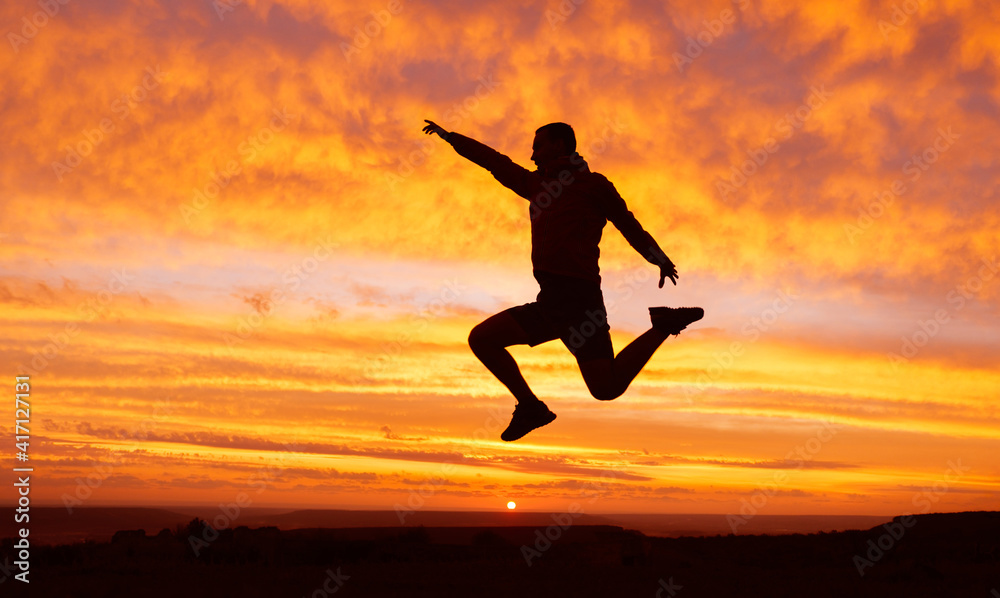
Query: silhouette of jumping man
x,y
568,206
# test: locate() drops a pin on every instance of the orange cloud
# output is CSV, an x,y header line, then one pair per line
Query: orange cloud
x,y
223,230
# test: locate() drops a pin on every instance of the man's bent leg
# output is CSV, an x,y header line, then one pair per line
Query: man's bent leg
x,y
608,379
489,341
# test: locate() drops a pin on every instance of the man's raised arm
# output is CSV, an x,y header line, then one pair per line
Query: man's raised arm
x,y
514,177
618,214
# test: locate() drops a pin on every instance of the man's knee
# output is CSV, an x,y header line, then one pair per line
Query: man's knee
x,y
604,389
479,339
600,377
606,393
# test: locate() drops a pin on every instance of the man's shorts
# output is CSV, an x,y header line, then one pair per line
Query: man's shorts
x,y
569,309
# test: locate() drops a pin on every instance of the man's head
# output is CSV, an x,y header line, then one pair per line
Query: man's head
x,y
552,141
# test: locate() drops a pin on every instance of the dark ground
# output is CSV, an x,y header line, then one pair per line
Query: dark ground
x,y
936,555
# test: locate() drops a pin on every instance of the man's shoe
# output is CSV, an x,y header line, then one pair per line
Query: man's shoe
x,y
671,320
527,417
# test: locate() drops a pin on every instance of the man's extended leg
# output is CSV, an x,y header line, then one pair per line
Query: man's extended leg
x,y
608,379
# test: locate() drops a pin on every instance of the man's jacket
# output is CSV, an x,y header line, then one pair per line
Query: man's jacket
x,y
568,206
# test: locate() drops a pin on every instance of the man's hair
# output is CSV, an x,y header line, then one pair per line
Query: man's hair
x,y
560,132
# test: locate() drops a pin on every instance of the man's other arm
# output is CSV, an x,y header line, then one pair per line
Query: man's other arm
x,y
618,214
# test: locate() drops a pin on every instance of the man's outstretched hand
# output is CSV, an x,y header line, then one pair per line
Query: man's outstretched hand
x,y
668,270
656,257
433,127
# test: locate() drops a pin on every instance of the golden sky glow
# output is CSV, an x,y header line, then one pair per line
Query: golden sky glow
x,y
231,260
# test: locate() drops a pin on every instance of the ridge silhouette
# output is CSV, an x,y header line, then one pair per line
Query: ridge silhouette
x,y
939,554
569,206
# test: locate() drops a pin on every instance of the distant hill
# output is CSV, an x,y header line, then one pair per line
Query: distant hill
x,y
55,525
951,554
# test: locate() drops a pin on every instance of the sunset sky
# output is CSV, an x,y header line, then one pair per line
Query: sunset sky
x,y
232,262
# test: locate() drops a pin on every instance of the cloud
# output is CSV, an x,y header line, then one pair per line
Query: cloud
x,y
390,435
205,155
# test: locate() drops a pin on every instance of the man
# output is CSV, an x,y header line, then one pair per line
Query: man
x,y
569,206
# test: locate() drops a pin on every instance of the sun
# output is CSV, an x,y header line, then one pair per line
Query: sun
x,y
511,505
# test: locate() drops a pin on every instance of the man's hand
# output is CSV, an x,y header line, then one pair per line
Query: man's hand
x,y
433,127
668,270
656,257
